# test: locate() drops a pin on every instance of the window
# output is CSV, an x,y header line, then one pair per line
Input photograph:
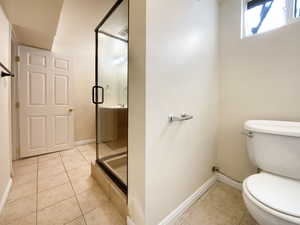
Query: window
x,y
297,8
265,15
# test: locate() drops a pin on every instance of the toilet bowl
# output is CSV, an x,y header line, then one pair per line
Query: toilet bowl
x,y
272,200
273,196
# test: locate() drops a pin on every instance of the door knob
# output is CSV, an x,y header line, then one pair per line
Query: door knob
x,y
71,110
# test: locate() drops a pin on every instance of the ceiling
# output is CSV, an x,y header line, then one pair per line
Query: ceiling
x,y
78,21
34,21
49,24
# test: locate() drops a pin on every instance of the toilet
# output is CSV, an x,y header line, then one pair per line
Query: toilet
x,y
273,195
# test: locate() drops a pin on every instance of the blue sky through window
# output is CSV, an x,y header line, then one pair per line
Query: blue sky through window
x,y
265,17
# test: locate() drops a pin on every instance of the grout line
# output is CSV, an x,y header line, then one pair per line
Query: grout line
x,y
73,189
82,155
12,201
58,201
52,188
74,220
37,189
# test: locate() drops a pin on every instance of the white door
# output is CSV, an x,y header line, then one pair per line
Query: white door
x,y
46,113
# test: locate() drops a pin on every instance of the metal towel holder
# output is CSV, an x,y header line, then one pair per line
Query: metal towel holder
x,y
182,117
7,73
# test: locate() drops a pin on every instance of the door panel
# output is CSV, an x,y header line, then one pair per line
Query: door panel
x,y
61,89
62,64
61,129
46,121
36,89
36,60
37,131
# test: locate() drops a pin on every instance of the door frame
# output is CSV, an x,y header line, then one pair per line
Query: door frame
x,y
14,100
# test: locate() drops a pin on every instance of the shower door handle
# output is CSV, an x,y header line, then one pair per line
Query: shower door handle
x,y
95,94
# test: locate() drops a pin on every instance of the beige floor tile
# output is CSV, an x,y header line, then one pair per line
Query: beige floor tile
x,y
52,181
181,221
26,178
49,171
83,148
221,205
18,209
25,162
226,199
83,183
89,155
23,170
92,199
54,195
73,159
83,171
70,153
92,146
73,164
78,221
55,162
47,157
22,190
27,220
60,213
89,147
105,214
206,214
248,220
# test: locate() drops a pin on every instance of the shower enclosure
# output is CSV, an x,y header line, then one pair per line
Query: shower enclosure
x,y
110,93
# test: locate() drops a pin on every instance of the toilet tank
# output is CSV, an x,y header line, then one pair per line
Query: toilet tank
x,y
274,146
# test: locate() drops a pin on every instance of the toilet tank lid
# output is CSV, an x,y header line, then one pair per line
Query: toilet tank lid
x,y
284,128
279,193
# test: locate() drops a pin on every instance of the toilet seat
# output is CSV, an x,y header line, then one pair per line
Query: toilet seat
x,y
276,195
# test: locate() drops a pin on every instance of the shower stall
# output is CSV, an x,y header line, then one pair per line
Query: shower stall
x,y
110,93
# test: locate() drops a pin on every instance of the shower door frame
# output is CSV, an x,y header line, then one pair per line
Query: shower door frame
x,y
95,99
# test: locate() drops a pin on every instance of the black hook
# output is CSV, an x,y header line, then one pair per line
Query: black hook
x,y
3,74
7,73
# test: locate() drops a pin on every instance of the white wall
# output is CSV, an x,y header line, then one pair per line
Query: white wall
x,y
5,108
136,112
259,80
181,76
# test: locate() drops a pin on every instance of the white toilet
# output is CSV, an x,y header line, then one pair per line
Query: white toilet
x,y
273,195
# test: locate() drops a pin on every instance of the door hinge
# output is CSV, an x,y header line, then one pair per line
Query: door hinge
x,y
17,105
18,59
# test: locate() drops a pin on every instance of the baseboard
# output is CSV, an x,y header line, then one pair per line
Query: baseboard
x,y
85,142
129,221
188,202
227,180
5,195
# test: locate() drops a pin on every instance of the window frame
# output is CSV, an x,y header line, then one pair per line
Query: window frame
x,y
297,18
291,17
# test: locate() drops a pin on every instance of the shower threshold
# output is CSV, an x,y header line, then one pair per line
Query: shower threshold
x,y
115,166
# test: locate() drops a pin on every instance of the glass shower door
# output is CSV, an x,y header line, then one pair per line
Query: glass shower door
x,y
112,113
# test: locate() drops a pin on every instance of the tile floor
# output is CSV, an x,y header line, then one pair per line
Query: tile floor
x,y
57,189
221,205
